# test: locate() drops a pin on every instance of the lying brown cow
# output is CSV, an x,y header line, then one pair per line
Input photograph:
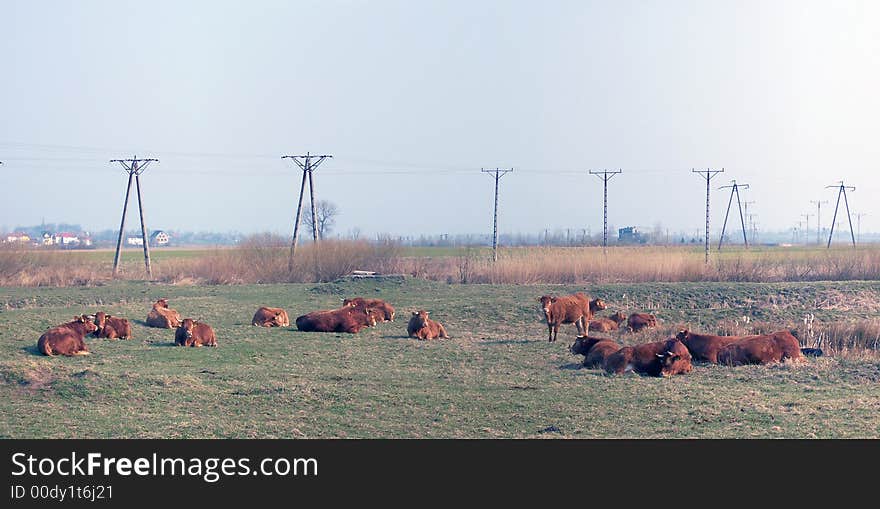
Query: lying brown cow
x,y
271,317
67,339
761,349
111,327
568,309
595,350
162,316
350,319
422,327
705,347
662,358
384,311
607,324
193,333
639,321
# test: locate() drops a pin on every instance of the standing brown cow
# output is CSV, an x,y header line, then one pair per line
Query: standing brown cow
x,y
162,316
111,327
568,309
422,327
67,339
271,317
193,333
595,350
662,358
384,311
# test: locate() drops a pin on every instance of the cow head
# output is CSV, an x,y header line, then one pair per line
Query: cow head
x,y
162,303
352,302
187,325
618,317
419,318
100,320
546,301
682,334
389,312
581,345
87,321
597,304
278,319
676,359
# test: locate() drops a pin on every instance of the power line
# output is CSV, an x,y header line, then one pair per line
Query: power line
x,y
734,189
818,219
498,173
134,167
605,176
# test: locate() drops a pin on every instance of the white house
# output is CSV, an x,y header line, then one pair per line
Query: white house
x,y
134,241
159,238
66,239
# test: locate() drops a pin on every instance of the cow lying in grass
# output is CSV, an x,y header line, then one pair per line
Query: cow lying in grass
x,y
639,321
422,327
111,327
162,316
349,319
67,339
661,358
607,324
761,349
595,350
383,310
193,333
271,317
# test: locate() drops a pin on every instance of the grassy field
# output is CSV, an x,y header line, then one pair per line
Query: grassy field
x,y
496,377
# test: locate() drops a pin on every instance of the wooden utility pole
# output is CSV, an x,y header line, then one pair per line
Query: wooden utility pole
x,y
605,175
842,191
708,174
134,167
807,229
734,189
497,173
746,204
859,225
308,163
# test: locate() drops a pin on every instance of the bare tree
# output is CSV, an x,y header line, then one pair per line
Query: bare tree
x,y
326,211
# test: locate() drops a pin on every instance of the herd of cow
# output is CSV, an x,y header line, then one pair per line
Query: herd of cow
x,y
661,358
354,315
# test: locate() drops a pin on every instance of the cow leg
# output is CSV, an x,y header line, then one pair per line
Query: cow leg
x,y
550,336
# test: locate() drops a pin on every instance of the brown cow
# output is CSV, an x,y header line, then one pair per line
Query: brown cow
x,y
67,339
569,309
111,327
761,349
595,350
162,316
271,317
639,321
662,358
384,311
705,347
607,324
350,319
193,333
422,327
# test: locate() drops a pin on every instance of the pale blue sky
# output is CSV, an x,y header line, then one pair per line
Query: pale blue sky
x,y
413,98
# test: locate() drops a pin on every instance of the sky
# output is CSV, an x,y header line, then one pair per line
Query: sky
x,y
413,99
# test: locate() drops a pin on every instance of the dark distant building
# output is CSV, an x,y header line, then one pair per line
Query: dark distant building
x,y
629,235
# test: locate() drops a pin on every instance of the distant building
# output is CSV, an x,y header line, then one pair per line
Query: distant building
x,y
18,237
66,239
134,241
48,238
629,235
159,238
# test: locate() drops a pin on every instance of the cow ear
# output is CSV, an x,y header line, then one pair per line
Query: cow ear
x,y
415,313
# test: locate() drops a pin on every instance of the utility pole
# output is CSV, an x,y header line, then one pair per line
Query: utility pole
x,y
859,225
734,189
605,175
708,175
134,167
498,173
748,217
842,191
753,226
818,219
308,163
807,229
